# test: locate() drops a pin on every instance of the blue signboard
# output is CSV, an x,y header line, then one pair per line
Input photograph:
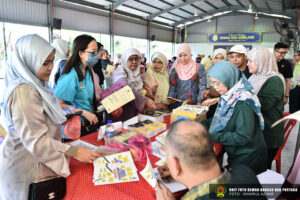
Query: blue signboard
x,y
235,37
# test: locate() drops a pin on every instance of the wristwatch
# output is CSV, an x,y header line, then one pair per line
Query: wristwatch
x,y
286,96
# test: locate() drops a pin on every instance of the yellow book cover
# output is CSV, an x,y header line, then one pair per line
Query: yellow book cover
x,y
148,128
190,111
118,99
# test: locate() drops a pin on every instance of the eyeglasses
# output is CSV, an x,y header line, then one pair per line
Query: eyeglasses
x,y
157,63
281,52
216,84
136,59
94,53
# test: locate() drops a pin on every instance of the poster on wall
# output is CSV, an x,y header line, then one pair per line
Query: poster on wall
x,y
228,47
234,37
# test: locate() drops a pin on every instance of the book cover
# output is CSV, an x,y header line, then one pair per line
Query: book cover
x,y
118,99
148,128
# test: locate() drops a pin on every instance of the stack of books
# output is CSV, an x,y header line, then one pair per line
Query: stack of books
x,y
123,135
193,112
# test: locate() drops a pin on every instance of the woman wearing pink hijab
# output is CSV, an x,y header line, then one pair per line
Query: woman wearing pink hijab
x,y
187,78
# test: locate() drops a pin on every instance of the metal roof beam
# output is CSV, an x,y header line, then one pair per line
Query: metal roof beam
x,y
211,5
254,5
293,21
97,6
242,5
202,10
222,9
117,4
227,3
165,2
172,8
268,6
149,13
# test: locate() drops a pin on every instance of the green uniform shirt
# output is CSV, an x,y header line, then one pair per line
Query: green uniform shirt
x,y
271,97
243,139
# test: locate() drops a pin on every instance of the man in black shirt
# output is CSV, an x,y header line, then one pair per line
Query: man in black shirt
x,y
238,56
284,67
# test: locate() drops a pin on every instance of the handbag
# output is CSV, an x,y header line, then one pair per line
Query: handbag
x,y
52,188
87,128
48,188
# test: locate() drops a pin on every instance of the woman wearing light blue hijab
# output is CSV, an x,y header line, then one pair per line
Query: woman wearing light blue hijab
x,y
237,123
32,117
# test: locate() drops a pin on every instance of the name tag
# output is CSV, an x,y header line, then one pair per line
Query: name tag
x,y
81,85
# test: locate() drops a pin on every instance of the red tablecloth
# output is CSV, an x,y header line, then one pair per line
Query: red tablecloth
x,y
80,183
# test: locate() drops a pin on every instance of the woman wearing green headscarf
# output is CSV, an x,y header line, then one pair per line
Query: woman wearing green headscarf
x,y
157,81
237,123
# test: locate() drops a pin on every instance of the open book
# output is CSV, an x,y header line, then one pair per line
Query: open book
x,y
118,99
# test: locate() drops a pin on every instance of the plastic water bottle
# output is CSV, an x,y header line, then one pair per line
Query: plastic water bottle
x,y
109,133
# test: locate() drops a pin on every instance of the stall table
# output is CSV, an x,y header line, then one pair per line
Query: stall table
x,y
80,184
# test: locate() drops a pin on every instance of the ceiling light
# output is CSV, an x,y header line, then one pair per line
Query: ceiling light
x,y
195,13
250,8
256,16
209,20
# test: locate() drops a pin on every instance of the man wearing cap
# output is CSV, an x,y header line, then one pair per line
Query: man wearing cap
x,y
284,66
238,56
191,161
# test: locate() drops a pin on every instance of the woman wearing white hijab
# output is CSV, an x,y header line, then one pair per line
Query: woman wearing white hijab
x,y
32,116
157,71
61,55
269,86
219,55
129,72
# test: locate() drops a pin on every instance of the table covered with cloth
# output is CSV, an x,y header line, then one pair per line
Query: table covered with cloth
x,y
80,184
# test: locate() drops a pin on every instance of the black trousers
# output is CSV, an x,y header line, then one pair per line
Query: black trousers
x,y
295,99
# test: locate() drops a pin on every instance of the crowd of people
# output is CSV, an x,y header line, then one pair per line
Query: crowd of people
x,y
245,90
